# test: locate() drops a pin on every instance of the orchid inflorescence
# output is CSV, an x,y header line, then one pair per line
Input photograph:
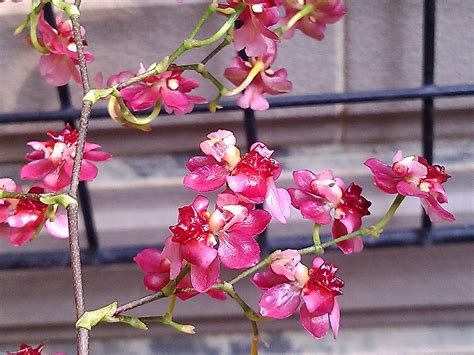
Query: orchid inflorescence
x,y
51,165
209,236
205,239
254,26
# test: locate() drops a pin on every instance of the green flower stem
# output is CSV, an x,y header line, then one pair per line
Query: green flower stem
x,y
266,261
227,40
21,196
130,118
255,338
201,69
184,328
390,213
139,302
374,230
317,239
211,9
192,43
171,305
253,316
305,11
168,290
34,18
187,44
229,289
47,198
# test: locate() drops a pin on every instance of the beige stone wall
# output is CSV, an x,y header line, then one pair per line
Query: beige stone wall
x,y
378,46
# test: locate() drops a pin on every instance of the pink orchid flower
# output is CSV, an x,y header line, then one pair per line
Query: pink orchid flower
x,y
236,225
233,225
170,87
319,194
7,185
58,66
266,82
414,176
157,268
289,282
254,34
221,146
193,242
52,161
251,178
208,173
314,24
25,218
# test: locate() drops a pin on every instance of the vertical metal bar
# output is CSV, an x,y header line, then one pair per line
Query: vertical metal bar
x,y
87,214
429,12
64,95
250,125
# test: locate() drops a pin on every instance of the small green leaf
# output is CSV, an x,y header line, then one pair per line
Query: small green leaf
x,y
132,321
94,95
92,318
64,200
70,9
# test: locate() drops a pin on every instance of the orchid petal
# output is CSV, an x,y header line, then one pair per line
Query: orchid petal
x,y
268,279
237,251
202,278
316,325
59,227
277,201
280,301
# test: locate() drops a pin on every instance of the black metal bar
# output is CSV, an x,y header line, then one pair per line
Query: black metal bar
x,y
250,125
64,95
390,238
429,13
87,214
275,102
251,136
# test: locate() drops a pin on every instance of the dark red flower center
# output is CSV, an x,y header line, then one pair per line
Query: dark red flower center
x,y
324,276
68,136
435,173
352,199
254,163
191,227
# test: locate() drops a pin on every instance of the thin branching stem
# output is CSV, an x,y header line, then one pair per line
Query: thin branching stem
x,y
73,209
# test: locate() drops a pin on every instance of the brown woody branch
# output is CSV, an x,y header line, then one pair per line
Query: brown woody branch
x,y
73,210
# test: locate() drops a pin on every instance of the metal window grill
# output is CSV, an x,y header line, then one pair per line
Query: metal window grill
x,y
427,92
